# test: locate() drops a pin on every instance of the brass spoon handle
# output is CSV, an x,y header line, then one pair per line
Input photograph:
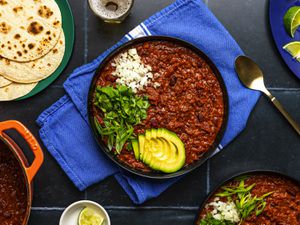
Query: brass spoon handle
x,y
278,105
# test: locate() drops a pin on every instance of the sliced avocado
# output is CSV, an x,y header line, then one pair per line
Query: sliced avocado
x,y
173,153
141,145
135,146
161,150
154,145
148,134
156,152
168,155
176,163
155,165
159,131
165,151
146,154
153,133
178,144
170,151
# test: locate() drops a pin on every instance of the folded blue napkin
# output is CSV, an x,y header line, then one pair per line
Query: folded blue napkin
x,y
64,126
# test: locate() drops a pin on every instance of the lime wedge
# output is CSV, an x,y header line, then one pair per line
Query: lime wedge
x,y
89,217
294,49
291,20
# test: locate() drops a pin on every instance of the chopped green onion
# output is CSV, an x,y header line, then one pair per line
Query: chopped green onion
x,y
121,109
245,202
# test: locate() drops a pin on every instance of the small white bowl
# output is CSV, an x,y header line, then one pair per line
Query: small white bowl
x,y
71,213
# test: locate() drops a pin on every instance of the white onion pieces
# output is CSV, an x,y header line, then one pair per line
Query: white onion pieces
x,y
131,71
224,211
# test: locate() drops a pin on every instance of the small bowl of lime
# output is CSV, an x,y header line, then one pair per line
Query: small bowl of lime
x,y
84,213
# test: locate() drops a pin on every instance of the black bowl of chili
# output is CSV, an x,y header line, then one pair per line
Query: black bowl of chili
x,y
209,100
259,197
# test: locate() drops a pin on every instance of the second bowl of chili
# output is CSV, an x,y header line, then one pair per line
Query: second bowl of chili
x,y
255,197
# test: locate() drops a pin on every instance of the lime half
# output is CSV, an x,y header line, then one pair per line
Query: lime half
x,y
292,20
89,217
294,49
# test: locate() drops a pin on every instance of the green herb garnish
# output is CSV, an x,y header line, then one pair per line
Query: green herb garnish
x,y
245,202
209,220
121,109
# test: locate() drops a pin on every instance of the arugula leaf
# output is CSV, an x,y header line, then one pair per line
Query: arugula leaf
x,y
110,92
122,109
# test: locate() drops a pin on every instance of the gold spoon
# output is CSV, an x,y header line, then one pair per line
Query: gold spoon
x,y
252,77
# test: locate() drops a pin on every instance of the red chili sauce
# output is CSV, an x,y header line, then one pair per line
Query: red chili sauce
x,y
189,100
13,191
283,206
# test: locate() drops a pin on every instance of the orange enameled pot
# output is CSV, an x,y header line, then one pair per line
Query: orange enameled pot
x,y
29,171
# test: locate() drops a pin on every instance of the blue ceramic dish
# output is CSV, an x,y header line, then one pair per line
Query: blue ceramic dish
x,y
278,9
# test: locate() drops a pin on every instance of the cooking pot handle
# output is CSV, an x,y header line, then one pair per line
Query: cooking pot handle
x,y
32,142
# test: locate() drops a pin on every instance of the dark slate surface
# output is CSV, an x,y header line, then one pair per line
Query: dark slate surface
x,y
268,142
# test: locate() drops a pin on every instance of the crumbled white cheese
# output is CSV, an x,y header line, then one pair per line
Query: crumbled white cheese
x,y
224,211
131,71
156,85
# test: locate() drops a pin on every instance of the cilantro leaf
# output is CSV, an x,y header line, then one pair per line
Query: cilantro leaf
x,y
122,109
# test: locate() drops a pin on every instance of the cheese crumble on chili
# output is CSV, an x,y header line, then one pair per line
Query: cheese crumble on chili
x,y
130,70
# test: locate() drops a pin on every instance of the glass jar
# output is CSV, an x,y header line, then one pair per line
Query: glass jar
x,y
111,11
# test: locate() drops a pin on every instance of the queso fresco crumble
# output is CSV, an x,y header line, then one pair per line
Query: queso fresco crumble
x,y
131,71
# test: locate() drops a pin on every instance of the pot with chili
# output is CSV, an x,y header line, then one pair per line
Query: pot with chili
x,y
253,198
158,107
16,175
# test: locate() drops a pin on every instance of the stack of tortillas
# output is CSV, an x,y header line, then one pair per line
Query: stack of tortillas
x,y
32,44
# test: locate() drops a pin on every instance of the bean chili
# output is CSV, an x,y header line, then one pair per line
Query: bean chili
x,y
283,205
13,191
188,100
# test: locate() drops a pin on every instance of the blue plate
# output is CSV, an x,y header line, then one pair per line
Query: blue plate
x,y
278,9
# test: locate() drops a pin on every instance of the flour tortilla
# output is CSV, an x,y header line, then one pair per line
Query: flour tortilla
x,y
29,29
4,82
34,71
15,90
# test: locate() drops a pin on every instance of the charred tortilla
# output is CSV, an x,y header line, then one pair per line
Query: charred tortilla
x,y
15,90
36,70
29,29
4,82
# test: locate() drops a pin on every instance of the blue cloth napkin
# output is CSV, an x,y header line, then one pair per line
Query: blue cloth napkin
x,y
64,126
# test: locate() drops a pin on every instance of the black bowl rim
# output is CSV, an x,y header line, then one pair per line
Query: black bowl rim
x,y
249,172
207,155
